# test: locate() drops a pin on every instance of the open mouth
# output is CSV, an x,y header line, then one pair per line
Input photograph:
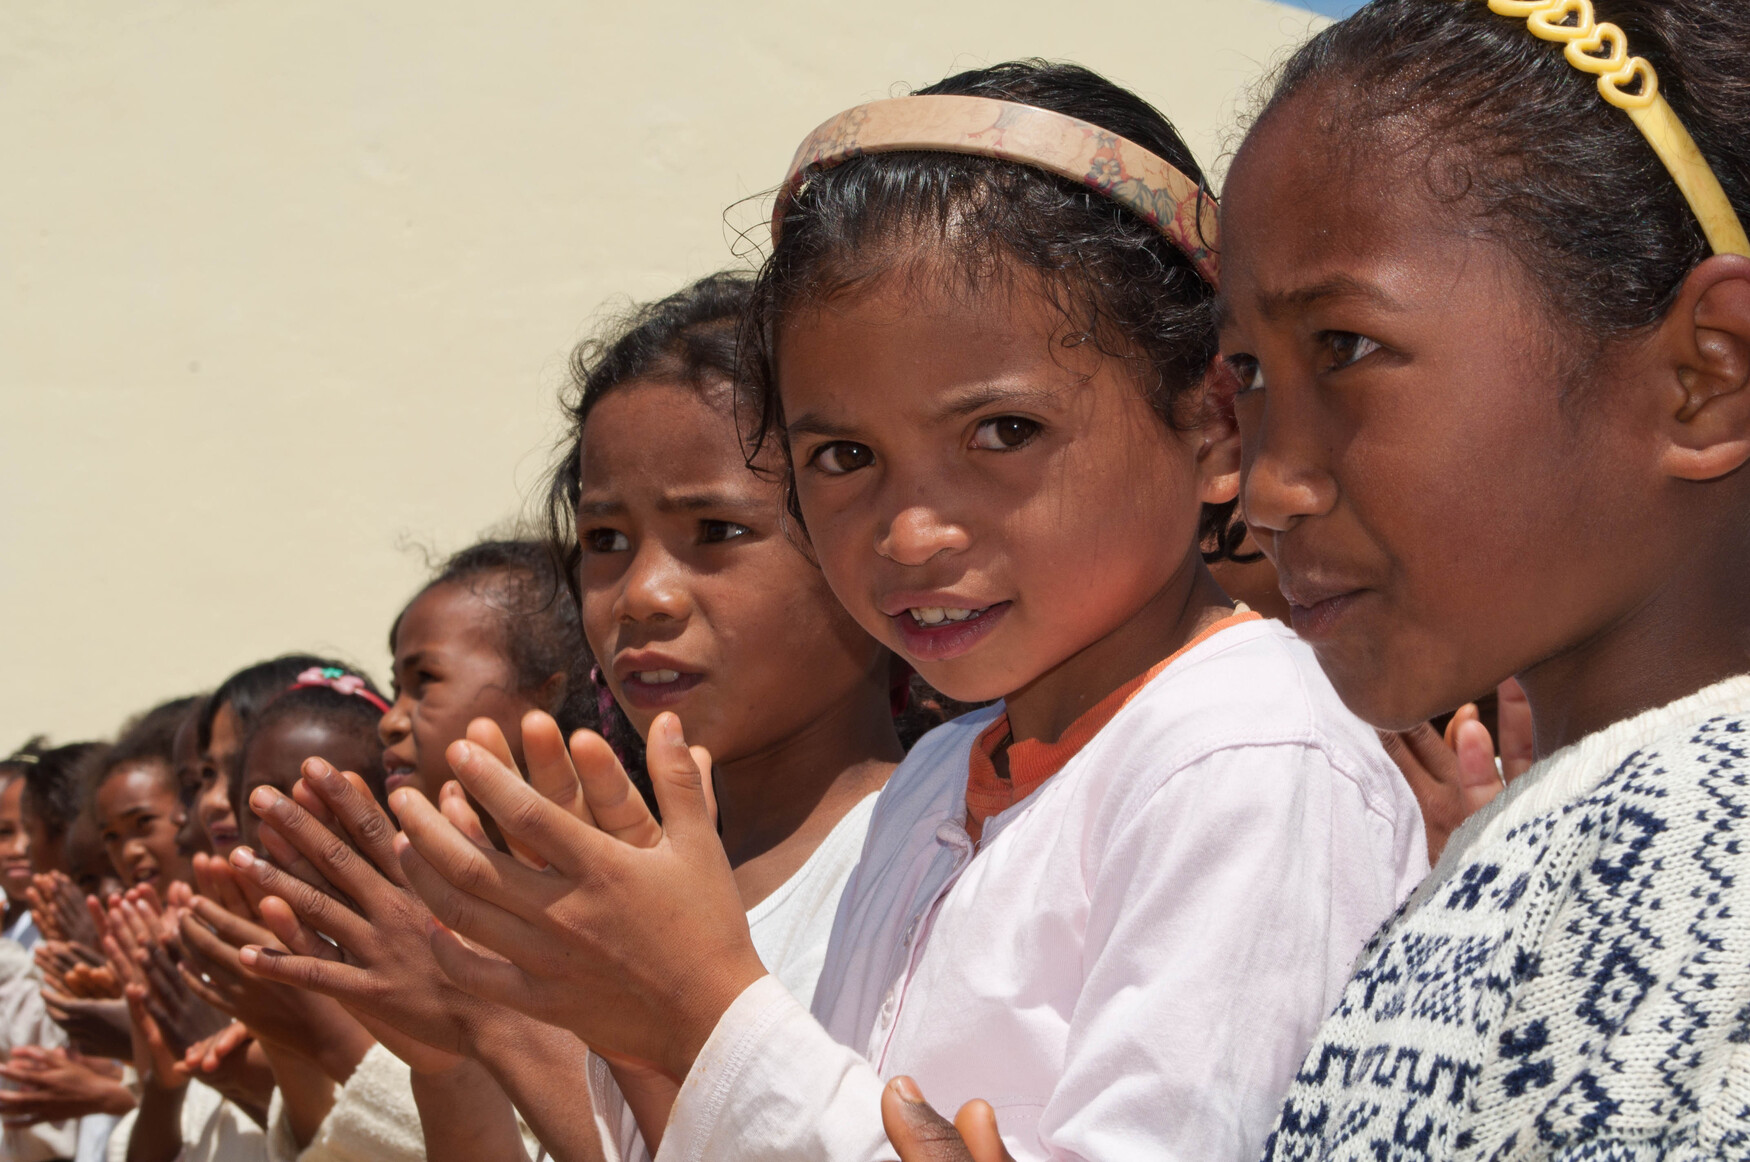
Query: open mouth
x,y
649,689
398,777
940,632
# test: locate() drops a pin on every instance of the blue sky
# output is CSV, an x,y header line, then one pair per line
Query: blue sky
x,y
1333,8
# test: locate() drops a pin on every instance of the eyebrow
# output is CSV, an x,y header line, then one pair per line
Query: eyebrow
x,y
1337,286
677,502
955,405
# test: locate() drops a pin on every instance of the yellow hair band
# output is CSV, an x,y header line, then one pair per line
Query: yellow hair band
x,y
1602,50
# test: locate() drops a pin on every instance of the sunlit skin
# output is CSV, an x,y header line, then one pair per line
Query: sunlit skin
x,y
276,756
687,569
450,668
88,862
14,848
1446,502
185,755
965,451
212,805
138,813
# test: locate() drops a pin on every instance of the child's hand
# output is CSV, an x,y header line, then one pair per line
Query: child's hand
x,y
302,1023
153,1056
183,1018
54,1085
356,894
60,910
920,1134
636,949
96,1028
1456,776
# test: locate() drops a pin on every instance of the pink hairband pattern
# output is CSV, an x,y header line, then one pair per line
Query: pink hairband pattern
x,y
338,680
1141,181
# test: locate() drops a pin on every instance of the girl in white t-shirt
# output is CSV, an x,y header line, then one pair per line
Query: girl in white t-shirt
x,y
986,340
693,599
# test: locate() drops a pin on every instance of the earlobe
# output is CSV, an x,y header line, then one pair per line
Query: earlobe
x,y
1707,416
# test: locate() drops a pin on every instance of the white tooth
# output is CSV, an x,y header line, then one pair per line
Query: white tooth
x,y
657,677
668,675
929,615
958,614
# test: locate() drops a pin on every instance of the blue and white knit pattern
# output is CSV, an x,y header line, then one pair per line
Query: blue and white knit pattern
x,y
1573,982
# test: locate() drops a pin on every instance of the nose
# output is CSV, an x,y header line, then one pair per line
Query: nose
x,y
1284,477
397,724
919,533
653,588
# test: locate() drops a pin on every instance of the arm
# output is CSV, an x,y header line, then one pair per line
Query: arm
x,y
466,1116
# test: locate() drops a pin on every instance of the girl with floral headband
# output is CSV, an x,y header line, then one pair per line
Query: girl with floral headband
x,y
985,342
1497,421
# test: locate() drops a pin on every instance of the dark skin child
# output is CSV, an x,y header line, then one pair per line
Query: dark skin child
x,y
1451,497
185,756
952,453
14,850
450,668
212,805
276,755
139,812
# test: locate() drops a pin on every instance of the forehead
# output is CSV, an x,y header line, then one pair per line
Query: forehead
x,y
656,435
1310,198
903,341
285,744
130,785
452,616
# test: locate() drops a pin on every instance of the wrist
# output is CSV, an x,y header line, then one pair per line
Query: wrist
x,y
718,991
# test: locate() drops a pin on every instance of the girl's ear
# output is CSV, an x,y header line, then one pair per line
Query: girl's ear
x,y
550,694
1218,449
1705,413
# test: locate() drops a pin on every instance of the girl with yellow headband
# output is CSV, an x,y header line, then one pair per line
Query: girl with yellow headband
x,y
1492,325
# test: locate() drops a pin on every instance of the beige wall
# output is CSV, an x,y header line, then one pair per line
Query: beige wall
x,y
286,288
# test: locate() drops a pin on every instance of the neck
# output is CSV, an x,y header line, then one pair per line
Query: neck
x,y
1692,632
813,775
14,909
1190,602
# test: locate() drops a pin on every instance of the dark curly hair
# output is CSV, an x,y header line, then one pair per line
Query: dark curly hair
x,y
1500,124
148,740
542,633
1117,281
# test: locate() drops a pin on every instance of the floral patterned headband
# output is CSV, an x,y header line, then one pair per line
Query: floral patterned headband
x,y
336,679
1104,162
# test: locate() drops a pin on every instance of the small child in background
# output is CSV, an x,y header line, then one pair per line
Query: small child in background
x,y
329,714
136,801
224,720
493,634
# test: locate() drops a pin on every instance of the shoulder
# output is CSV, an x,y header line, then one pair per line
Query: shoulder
x,y
1251,697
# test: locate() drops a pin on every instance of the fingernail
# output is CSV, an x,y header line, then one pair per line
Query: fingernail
x,y
908,1090
671,730
243,857
263,798
246,955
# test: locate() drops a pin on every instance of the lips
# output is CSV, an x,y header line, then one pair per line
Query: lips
x,y
938,632
398,778
1317,607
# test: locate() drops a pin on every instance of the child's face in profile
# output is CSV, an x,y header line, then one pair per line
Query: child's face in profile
x,y
138,813
14,841
1444,505
276,758
212,805
985,495
694,599
450,668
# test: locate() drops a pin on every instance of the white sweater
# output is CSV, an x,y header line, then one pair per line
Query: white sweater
x,y
1573,981
1131,962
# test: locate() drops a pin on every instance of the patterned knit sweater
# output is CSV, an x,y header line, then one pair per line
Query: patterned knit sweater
x,y
1573,980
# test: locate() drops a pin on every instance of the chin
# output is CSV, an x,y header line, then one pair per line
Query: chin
x,y
1383,695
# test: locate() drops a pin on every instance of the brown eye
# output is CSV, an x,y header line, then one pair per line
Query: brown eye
x,y
1347,347
714,532
842,456
1004,433
605,541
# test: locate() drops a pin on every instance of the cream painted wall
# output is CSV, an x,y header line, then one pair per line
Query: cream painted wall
x,y
287,288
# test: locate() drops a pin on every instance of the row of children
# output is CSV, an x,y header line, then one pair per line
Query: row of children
x,y
1470,353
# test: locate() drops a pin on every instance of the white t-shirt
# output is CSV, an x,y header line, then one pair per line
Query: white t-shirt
x,y
790,928
1129,964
